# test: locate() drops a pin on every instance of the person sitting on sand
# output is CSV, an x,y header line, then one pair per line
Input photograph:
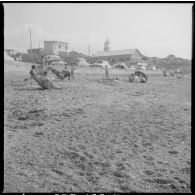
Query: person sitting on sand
x,y
164,73
42,80
136,79
131,78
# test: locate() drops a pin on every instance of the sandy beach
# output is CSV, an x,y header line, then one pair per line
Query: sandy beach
x,y
97,135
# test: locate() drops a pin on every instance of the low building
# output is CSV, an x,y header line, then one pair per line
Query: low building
x,y
10,52
35,51
129,57
56,48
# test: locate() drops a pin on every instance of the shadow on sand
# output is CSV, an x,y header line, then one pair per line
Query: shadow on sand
x,y
23,89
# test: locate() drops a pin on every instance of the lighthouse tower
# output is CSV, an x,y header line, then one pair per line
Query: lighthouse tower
x,y
106,45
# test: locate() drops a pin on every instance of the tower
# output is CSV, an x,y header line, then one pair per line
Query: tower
x,y
106,45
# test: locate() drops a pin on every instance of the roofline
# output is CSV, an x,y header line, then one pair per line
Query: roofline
x,y
117,50
57,42
37,48
10,49
139,52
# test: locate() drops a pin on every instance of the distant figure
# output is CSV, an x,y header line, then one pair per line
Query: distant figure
x,y
72,71
180,75
164,73
66,72
106,72
172,73
131,78
143,79
137,78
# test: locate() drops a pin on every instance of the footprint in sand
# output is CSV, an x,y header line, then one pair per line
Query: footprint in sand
x,y
82,147
57,171
148,172
149,158
37,134
173,152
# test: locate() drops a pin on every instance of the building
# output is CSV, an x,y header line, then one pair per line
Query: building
x,y
153,60
10,52
56,48
129,57
35,51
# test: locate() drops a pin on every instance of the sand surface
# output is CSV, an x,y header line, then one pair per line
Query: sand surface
x,y
97,135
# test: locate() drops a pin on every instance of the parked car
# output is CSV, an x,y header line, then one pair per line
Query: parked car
x,y
151,67
51,58
131,68
58,62
120,65
79,62
140,67
101,64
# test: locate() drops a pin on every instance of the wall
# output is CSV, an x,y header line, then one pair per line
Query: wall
x,y
127,59
27,58
61,47
48,47
55,48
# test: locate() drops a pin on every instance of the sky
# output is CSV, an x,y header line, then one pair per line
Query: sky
x,y
155,29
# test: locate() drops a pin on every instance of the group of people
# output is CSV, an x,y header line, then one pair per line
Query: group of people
x,y
138,77
40,76
176,73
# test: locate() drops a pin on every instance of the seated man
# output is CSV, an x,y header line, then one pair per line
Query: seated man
x,y
42,80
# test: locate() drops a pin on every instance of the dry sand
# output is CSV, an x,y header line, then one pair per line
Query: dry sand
x,y
97,135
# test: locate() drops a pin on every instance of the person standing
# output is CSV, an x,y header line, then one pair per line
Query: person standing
x,y
106,72
72,70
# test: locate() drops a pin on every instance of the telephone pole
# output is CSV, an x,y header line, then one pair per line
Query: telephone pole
x,y
89,53
30,45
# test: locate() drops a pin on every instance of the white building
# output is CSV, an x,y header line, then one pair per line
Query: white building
x,y
56,48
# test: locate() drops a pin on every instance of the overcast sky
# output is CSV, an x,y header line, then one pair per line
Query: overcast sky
x,y
155,29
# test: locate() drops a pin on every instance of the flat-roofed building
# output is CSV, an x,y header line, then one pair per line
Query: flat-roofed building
x,y
56,48
129,56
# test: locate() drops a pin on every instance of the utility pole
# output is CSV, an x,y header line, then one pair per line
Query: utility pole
x,y
30,46
89,53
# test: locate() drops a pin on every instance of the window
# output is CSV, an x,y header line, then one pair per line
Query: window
x,y
127,59
66,47
113,61
121,59
59,46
